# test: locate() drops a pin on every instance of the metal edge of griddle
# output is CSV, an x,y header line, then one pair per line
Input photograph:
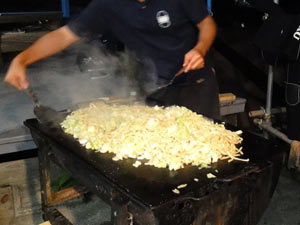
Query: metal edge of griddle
x,y
122,190
269,166
216,182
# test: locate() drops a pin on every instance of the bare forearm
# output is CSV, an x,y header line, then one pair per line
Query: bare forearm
x,y
47,45
194,59
207,33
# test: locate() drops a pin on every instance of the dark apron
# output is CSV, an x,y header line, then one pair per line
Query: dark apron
x,y
196,90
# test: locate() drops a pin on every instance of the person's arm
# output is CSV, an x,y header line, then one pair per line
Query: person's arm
x,y
47,45
194,59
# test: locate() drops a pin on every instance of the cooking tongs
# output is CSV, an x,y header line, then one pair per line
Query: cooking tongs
x,y
45,114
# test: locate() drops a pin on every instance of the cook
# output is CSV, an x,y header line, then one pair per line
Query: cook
x,y
166,36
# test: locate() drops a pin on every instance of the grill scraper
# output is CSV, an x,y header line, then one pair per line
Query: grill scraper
x,y
45,114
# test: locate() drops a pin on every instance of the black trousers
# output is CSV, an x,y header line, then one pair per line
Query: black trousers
x,y
196,90
292,98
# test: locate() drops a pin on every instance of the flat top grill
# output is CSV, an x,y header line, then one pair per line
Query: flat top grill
x,y
153,186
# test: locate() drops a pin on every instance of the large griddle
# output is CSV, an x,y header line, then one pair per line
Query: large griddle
x,y
151,188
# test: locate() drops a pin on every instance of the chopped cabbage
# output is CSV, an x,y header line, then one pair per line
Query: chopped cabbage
x,y
169,137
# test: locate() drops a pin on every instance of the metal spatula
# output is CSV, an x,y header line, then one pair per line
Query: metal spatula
x,y
45,114
171,81
49,116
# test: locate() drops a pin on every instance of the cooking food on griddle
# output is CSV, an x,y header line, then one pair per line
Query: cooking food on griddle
x,y
169,137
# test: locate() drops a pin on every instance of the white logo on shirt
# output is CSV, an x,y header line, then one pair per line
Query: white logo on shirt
x,y
163,19
297,34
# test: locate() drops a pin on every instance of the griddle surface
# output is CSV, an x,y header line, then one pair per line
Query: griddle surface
x,y
153,186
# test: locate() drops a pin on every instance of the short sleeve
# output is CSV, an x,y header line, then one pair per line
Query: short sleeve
x,y
196,10
91,22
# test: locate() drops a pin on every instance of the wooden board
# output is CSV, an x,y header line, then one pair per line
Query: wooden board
x,y
224,97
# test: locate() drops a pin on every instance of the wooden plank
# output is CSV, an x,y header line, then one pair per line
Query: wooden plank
x,y
64,195
224,97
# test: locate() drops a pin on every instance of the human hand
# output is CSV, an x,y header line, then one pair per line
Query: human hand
x,y
16,75
193,60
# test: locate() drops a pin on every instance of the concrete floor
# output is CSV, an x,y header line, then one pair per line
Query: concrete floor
x,y
21,201
59,83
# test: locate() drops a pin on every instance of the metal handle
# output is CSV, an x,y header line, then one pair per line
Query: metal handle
x,y
179,71
33,96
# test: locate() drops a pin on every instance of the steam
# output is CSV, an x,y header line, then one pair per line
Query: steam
x,y
61,83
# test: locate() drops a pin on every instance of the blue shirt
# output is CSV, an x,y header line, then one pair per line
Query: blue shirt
x,y
158,31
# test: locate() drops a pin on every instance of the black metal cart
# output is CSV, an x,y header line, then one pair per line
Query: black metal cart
x,y
237,196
